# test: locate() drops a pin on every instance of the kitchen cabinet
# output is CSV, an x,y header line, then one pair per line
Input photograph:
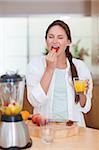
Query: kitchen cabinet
x,y
92,117
26,105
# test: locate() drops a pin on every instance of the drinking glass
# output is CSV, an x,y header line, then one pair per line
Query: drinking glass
x,y
79,85
47,132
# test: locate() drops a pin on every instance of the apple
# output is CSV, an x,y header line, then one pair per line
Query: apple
x,y
38,120
34,118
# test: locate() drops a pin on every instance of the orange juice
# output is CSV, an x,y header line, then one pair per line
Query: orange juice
x,y
79,86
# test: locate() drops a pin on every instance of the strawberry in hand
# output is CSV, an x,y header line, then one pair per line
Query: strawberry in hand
x,y
55,48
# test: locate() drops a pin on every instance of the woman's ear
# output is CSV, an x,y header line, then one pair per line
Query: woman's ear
x,y
69,42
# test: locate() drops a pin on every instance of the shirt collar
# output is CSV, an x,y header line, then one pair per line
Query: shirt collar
x,y
68,65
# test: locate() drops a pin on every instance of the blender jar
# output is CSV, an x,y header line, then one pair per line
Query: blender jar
x,y
11,93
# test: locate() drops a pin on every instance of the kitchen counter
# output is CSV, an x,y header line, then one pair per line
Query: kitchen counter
x,y
87,139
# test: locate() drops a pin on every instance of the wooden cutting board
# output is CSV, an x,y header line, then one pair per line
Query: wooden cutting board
x,y
60,130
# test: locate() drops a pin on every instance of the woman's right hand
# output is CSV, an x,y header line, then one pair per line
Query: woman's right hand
x,y
51,60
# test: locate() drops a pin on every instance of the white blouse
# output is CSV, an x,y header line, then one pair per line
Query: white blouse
x,y
43,103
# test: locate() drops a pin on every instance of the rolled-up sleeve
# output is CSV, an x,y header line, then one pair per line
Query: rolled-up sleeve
x,y
35,93
85,74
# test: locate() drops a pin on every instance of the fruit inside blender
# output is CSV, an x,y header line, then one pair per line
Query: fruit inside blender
x,y
12,108
11,95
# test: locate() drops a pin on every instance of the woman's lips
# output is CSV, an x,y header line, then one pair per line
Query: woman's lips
x,y
55,49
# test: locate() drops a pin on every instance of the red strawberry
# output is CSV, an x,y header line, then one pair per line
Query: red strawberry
x,y
5,103
14,103
55,49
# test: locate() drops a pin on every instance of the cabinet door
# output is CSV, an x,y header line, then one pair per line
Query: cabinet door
x,y
92,117
26,105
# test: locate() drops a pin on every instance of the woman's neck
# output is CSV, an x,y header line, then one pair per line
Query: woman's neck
x,y
61,62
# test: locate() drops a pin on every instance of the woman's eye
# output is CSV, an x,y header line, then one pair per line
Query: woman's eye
x,y
60,37
50,36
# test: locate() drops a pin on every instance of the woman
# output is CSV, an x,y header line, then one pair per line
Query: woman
x,y
50,78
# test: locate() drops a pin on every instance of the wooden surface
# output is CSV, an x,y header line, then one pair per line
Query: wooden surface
x,y
87,139
61,130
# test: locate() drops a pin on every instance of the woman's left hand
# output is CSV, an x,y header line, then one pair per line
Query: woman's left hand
x,y
86,86
83,96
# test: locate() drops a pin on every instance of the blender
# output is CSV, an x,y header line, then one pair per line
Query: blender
x,y
14,132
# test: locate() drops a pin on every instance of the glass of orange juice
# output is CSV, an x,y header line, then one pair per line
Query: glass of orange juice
x,y
79,85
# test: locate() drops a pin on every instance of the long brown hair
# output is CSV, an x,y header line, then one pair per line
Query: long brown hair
x,y
67,51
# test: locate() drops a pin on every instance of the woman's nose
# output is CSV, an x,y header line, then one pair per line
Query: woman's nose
x,y
55,40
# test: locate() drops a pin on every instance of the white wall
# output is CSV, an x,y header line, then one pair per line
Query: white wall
x,y
16,41
13,44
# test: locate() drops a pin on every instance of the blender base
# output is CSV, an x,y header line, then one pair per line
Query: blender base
x,y
18,148
14,134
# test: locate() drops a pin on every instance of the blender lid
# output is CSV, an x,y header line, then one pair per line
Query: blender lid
x,y
14,77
